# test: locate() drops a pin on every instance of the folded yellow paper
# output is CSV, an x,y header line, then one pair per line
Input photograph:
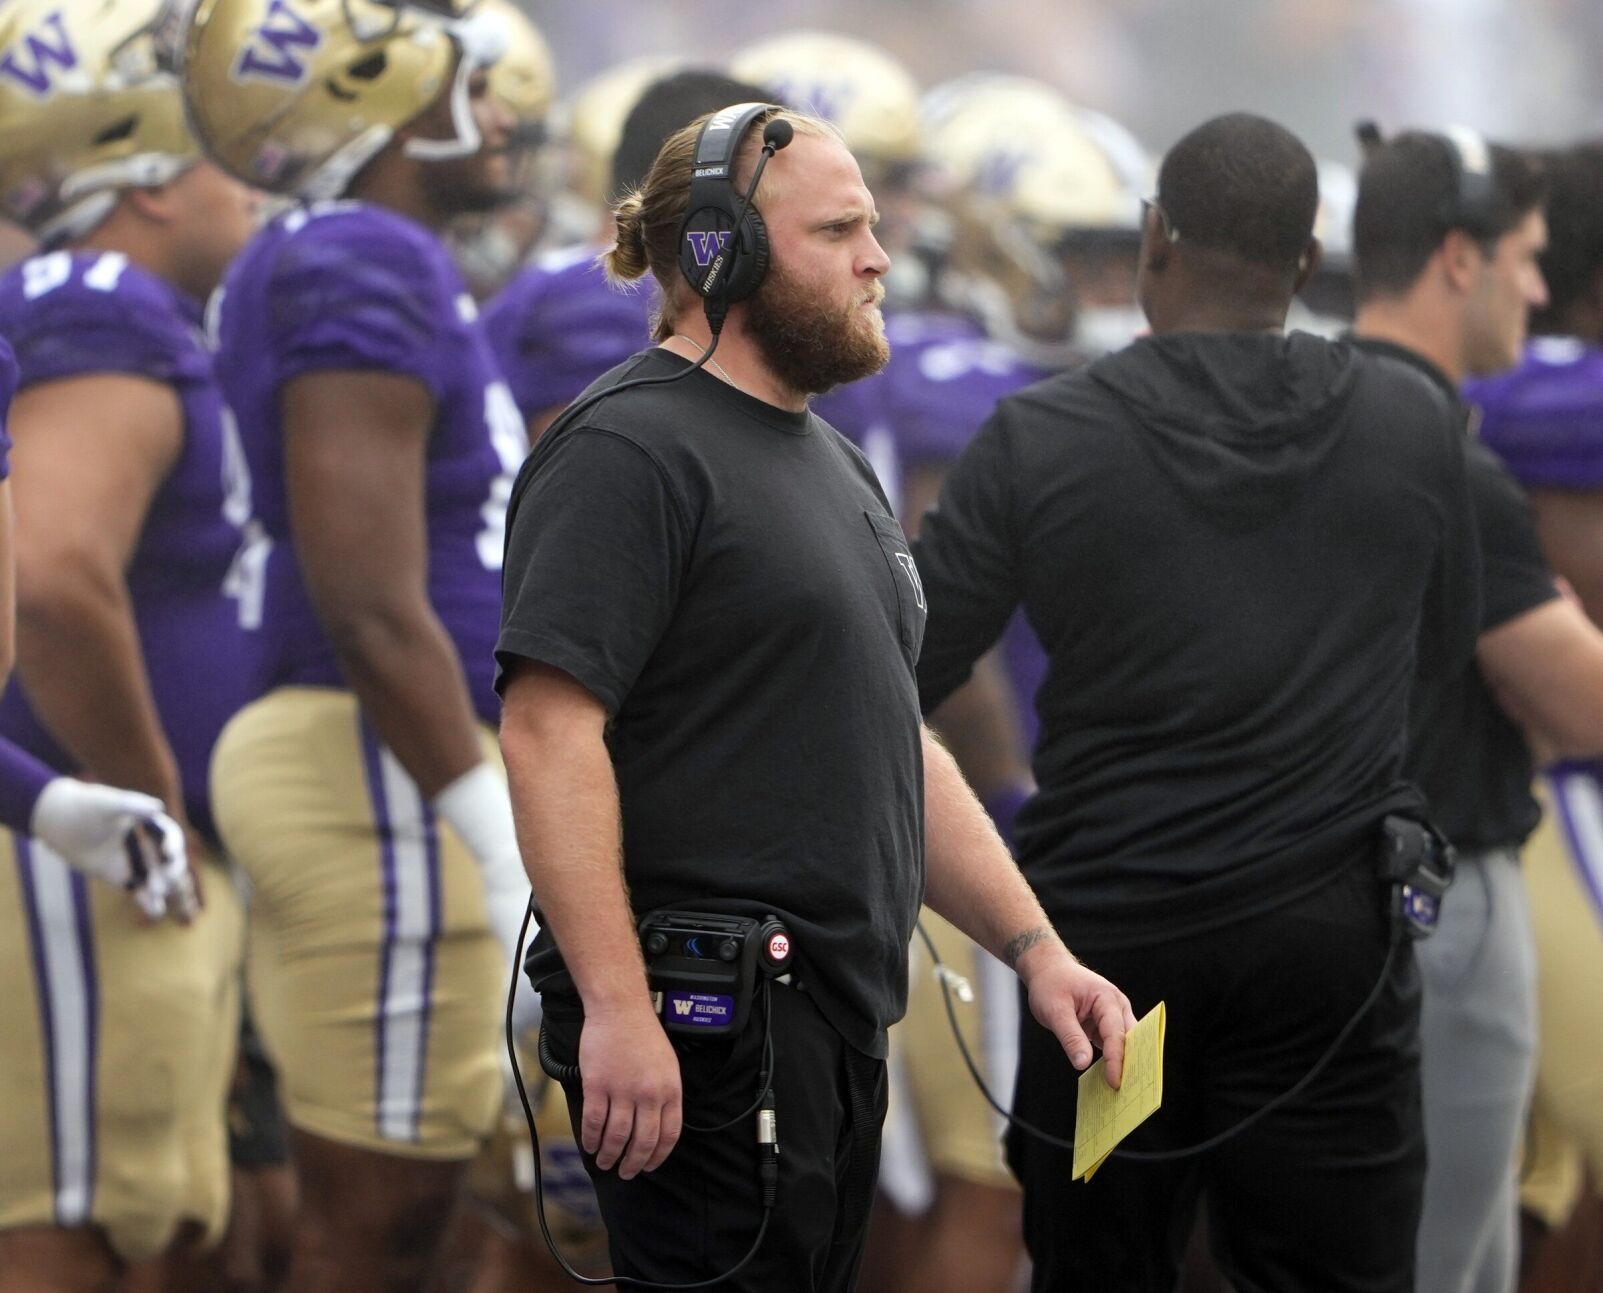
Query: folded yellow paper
x,y
1103,1116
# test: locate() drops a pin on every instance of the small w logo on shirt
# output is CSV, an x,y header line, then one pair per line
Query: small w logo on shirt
x,y
905,560
29,64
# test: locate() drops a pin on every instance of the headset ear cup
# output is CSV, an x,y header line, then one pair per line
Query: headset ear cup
x,y
751,266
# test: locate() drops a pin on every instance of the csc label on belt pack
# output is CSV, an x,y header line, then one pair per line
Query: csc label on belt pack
x,y
704,1009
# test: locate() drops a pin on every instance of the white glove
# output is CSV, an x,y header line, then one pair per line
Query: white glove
x,y
122,837
478,808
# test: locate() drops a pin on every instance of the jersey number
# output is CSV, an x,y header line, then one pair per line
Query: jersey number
x,y
246,580
510,439
46,273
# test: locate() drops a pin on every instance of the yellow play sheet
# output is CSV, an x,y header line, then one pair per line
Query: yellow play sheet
x,y
1103,1116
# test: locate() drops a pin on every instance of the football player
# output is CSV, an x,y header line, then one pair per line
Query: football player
x,y
362,795
138,637
122,836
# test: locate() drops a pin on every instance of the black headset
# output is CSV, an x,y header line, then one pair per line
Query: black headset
x,y
1473,205
719,227
723,243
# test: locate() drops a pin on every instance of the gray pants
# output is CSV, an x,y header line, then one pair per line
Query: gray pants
x,y
1478,1033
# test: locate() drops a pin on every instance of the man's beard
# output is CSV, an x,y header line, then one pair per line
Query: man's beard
x,y
808,344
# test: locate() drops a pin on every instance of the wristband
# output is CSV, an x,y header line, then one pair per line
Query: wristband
x,y
477,807
22,780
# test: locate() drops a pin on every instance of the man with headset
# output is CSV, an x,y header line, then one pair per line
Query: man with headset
x,y
709,632
1446,238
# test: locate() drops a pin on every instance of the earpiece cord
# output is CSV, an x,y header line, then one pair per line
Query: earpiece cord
x,y
630,1281
1163,1155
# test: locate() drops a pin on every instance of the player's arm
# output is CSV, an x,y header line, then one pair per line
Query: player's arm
x,y
977,722
90,454
1546,669
1570,526
354,457
354,463
565,801
972,880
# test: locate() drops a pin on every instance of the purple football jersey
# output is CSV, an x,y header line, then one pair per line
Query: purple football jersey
x,y
1544,417
943,381
345,285
8,388
558,325
194,577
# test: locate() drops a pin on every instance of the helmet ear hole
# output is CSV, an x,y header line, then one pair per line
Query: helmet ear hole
x,y
117,130
368,69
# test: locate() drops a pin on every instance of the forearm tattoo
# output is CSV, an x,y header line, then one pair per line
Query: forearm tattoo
x,y
1019,944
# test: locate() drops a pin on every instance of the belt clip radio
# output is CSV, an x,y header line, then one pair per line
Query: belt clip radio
x,y
703,968
1418,865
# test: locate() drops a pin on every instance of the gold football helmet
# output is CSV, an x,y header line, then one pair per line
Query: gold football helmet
x,y
592,121
1019,174
88,106
296,96
871,98
523,78
1022,147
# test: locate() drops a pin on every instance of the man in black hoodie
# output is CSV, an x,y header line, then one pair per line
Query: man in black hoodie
x,y
1237,546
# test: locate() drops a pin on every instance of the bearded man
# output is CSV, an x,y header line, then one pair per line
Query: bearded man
x,y
709,631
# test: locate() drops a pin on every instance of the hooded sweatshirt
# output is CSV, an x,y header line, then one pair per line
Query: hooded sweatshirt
x,y
1236,549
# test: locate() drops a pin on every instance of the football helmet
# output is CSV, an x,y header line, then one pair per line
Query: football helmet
x,y
523,78
1018,174
88,106
1023,148
296,96
592,122
870,97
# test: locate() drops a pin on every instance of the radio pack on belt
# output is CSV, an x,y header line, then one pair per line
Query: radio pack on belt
x,y
1418,864
703,968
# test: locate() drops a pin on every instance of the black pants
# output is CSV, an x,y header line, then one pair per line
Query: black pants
x,y
1322,1195
698,1213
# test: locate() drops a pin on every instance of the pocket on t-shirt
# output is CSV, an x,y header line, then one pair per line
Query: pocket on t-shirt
x,y
911,610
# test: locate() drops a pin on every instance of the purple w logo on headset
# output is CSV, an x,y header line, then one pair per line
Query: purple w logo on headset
x,y
705,243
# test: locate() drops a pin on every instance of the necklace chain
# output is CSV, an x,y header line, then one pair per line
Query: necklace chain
x,y
713,363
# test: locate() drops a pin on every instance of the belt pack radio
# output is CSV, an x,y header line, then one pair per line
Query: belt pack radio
x,y
703,968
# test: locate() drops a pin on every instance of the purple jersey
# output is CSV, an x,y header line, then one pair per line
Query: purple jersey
x,y
196,601
8,388
1544,418
344,285
558,325
943,381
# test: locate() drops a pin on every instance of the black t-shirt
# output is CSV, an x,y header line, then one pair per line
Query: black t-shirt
x,y
727,578
1233,549
1469,758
